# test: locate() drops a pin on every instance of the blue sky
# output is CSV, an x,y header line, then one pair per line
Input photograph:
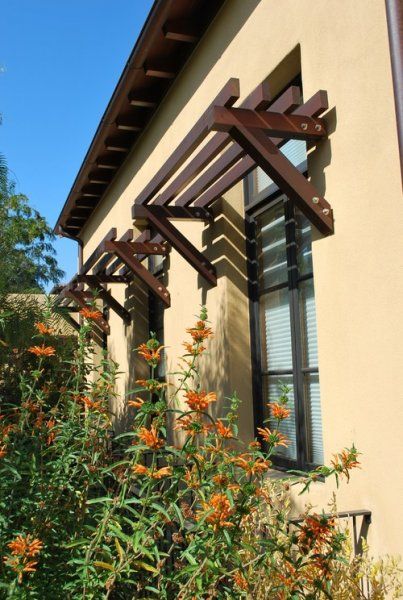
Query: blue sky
x,y
59,63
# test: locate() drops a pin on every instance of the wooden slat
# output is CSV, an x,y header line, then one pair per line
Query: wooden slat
x,y
276,124
181,31
228,95
259,99
284,174
171,212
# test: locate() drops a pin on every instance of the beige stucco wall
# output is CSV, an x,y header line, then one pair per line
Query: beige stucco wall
x,y
358,271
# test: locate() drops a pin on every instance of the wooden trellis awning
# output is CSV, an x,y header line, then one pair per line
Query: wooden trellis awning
x,y
247,136
101,268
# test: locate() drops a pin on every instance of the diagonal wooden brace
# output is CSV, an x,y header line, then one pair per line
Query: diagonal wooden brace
x,y
94,283
269,157
178,241
79,298
124,251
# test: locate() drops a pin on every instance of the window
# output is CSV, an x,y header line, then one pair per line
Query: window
x,y
156,311
285,325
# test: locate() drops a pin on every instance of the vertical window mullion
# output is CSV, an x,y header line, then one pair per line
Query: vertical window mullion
x,y
296,337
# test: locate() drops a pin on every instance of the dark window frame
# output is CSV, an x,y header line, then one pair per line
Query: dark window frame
x,y
253,208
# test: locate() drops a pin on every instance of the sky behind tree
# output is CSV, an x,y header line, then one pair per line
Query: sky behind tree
x,y
59,63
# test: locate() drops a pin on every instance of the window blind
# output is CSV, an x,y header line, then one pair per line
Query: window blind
x,y
295,151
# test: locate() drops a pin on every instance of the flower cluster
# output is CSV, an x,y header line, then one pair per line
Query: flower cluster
x,y
23,550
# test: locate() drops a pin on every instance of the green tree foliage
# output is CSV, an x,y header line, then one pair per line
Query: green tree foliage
x,y
27,255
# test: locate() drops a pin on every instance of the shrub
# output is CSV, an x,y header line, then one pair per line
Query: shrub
x,y
150,514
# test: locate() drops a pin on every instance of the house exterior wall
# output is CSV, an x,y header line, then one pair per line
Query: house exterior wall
x,y
340,46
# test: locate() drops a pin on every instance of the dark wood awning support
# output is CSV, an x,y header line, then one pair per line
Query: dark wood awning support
x,y
159,218
94,283
99,269
256,134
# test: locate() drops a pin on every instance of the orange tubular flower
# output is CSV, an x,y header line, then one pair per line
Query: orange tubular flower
x,y
90,313
94,405
221,510
150,438
42,350
3,451
199,400
220,479
191,426
194,350
152,385
316,532
140,470
52,433
279,411
23,549
200,332
163,472
151,355
345,461
43,329
252,466
137,403
240,581
273,437
222,430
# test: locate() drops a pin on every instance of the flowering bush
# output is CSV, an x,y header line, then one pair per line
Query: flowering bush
x,y
175,508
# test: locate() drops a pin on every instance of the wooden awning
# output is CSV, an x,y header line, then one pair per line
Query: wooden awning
x,y
113,261
247,136
243,138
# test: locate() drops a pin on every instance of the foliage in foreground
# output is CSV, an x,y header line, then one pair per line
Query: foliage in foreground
x,y
83,515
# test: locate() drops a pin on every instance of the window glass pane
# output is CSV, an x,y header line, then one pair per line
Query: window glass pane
x,y
308,324
295,151
303,239
287,427
313,417
272,247
276,330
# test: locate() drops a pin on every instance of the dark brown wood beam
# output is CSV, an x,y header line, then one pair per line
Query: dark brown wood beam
x,y
228,95
273,123
258,99
100,178
141,213
182,245
284,174
181,31
124,251
129,124
143,99
138,247
112,268
161,69
108,163
315,106
117,145
95,284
